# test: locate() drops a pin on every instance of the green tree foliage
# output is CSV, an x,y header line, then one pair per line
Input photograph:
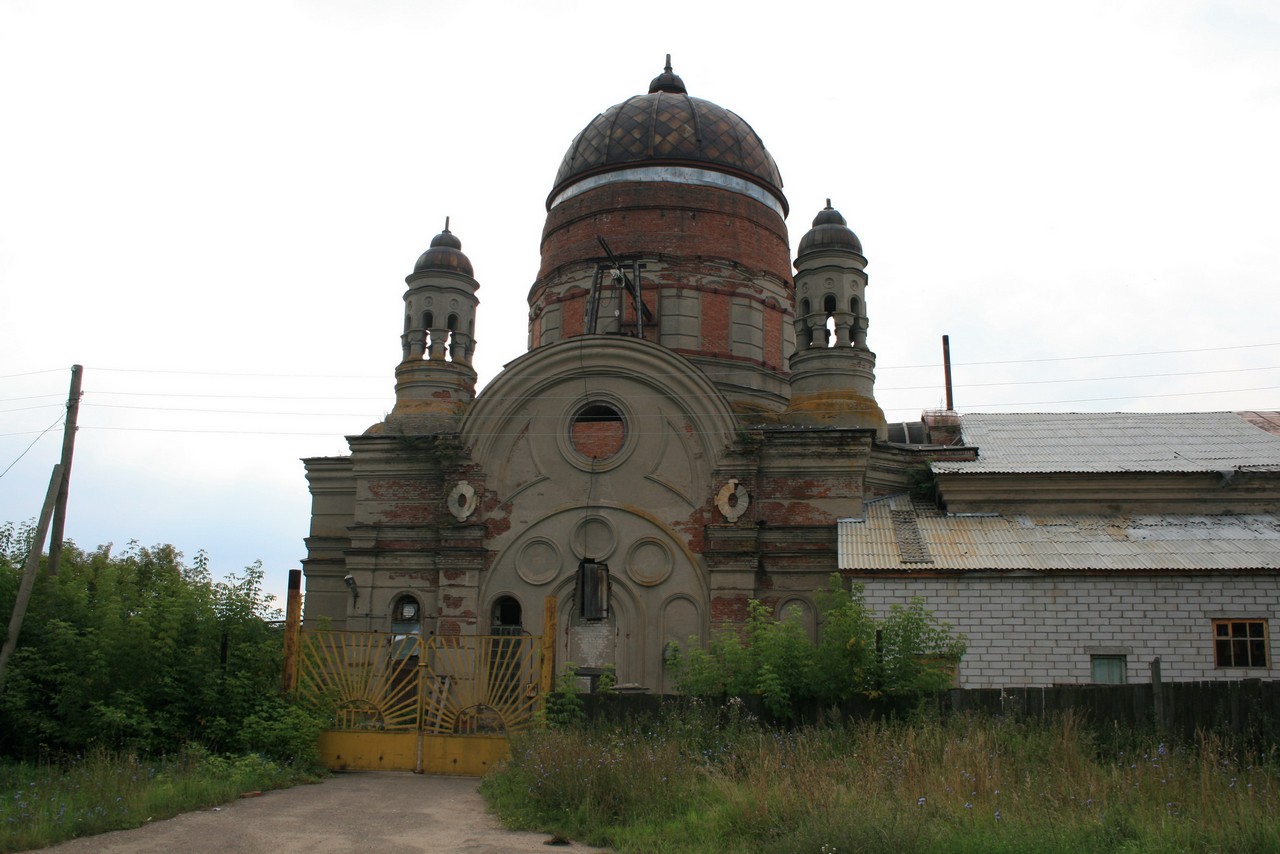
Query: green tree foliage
x,y
135,650
905,652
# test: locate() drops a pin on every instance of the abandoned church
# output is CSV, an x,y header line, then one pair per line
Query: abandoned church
x,y
694,425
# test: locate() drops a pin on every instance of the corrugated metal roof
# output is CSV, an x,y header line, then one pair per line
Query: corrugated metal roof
x,y
1117,543
1115,442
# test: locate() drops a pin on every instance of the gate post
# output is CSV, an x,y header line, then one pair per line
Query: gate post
x,y
292,627
549,631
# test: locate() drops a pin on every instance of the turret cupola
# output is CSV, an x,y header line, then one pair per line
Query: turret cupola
x,y
435,378
833,371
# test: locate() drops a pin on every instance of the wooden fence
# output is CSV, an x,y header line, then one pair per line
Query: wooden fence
x,y
1244,709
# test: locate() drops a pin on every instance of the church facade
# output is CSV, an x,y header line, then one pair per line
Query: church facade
x,y
694,425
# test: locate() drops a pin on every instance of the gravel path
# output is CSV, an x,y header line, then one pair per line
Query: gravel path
x,y
377,811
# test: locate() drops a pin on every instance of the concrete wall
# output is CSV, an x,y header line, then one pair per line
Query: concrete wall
x,y
1041,630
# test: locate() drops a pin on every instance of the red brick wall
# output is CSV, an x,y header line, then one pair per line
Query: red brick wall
x,y
660,218
597,440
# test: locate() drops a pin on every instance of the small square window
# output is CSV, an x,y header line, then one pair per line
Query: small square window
x,y
1240,643
1109,669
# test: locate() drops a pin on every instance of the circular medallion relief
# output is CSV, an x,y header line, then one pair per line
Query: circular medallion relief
x,y
538,561
649,562
594,538
462,500
732,500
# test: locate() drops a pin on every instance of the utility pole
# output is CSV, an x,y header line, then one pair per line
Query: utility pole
x,y
68,448
946,369
29,572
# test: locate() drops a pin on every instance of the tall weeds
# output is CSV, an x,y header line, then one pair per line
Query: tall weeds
x,y
700,779
44,803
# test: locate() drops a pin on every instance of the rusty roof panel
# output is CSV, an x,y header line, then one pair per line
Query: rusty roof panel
x,y
1269,421
1110,543
1115,442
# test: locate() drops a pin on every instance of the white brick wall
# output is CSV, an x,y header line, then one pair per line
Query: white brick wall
x,y
1039,630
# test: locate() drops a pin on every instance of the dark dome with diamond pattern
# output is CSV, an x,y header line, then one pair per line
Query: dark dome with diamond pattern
x,y
668,127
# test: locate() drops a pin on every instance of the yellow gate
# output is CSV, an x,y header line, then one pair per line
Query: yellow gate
x,y
437,705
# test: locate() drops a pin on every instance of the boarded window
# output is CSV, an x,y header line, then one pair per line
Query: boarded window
x,y
593,590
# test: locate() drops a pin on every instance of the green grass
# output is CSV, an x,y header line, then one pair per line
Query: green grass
x,y
699,781
41,804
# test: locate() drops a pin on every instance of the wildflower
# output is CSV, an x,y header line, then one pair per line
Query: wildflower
x,y
998,815
920,802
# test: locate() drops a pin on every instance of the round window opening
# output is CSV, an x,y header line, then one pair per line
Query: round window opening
x,y
597,431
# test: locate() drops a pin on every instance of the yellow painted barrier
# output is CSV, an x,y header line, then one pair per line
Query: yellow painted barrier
x,y
456,755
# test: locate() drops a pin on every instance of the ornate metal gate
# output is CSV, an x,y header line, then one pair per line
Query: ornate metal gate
x,y
437,704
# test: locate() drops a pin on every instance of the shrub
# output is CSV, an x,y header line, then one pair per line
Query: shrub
x,y
285,732
906,653
133,651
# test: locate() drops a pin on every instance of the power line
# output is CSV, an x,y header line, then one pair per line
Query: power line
x,y
29,397
234,396
1122,397
1083,379
190,430
240,374
226,411
1078,358
32,445
878,368
32,373
556,416
29,408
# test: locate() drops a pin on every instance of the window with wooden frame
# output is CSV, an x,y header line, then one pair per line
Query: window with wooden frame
x,y
1240,643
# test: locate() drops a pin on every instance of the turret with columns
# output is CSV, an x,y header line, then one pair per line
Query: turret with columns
x,y
832,370
435,379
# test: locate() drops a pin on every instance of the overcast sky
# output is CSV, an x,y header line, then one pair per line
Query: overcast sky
x,y
213,206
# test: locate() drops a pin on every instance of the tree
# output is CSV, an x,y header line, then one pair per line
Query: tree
x,y
134,650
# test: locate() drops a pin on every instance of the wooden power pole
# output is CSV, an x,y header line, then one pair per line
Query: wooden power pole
x,y
29,572
68,448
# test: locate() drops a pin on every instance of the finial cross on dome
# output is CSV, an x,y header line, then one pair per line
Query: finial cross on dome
x,y
667,81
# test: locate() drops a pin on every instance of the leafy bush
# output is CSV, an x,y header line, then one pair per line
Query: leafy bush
x,y
908,652
564,708
285,732
135,650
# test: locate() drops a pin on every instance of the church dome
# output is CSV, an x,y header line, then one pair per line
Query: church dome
x,y
830,231
667,127
445,254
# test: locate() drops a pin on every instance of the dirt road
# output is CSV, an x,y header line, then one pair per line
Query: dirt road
x,y
353,812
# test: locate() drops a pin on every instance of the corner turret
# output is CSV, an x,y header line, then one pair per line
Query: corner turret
x,y
832,370
435,378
